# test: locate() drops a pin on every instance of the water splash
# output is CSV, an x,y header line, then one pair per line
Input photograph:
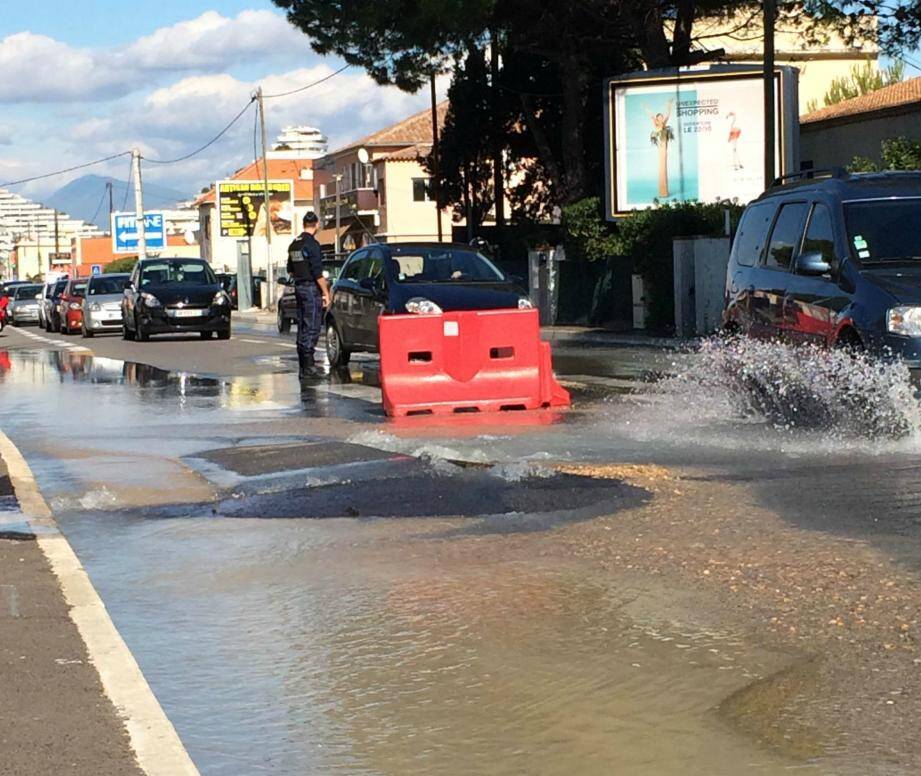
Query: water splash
x,y
836,392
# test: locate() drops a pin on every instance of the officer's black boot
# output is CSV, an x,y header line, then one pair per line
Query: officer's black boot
x,y
305,366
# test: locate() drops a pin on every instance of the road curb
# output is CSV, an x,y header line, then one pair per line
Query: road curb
x,y
153,738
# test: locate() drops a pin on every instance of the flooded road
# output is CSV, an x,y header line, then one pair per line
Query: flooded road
x,y
480,596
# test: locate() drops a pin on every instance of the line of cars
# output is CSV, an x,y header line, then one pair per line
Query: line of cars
x,y
161,296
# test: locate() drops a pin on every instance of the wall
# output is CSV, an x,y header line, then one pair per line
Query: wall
x,y
831,144
402,219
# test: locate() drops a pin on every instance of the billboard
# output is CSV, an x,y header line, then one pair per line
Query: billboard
x,y
242,212
696,135
125,232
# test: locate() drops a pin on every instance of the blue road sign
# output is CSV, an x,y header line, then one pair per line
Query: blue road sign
x,y
96,269
125,233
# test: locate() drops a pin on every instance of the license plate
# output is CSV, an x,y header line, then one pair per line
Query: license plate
x,y
187,313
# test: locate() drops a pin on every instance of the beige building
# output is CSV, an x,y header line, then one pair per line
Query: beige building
x,y
819,60
833,136
385,192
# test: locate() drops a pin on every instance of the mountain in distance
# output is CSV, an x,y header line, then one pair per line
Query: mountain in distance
x,y
81,198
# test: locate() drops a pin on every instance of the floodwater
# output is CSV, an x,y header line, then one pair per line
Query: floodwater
x,y
430,644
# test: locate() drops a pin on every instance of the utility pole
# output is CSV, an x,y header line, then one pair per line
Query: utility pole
x,y
139,205
269,269
770,17
498,180
57,237
338,246
436,189
111,201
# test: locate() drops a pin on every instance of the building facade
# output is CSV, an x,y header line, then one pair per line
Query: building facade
x,y
833,136
382,188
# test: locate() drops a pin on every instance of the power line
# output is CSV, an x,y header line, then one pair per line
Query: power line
x,y
61,172
211,142
308,86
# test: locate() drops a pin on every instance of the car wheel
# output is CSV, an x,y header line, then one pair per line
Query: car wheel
x,y
336,352
85,332
204,334
284,323
224,334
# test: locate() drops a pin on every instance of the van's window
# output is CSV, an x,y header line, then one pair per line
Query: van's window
x,y
884,230
752,233
353,268
788,230
820,235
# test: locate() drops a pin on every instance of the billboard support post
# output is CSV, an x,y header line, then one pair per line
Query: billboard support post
x,y
770,164
269,269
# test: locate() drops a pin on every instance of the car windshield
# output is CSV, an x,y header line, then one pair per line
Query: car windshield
x,y
57,289
163,273
442,265
884,230
27,292
114,284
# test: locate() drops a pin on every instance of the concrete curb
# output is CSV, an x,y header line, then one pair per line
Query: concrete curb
x,y
153,738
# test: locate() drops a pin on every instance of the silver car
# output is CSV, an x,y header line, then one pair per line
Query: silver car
x,y
24,304
102,309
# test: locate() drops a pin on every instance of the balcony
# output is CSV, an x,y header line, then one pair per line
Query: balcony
x,y
357,200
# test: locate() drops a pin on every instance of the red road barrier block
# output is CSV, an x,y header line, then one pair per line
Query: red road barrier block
x,y
478,360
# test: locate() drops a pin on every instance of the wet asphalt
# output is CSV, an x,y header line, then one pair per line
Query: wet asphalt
x,y
183,471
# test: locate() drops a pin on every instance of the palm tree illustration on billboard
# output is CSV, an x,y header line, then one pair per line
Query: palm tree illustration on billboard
x,y
662,134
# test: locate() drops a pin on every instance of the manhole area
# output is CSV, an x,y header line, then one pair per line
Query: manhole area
x,y
467,493
256,460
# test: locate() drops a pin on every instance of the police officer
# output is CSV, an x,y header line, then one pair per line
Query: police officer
x,y
311,291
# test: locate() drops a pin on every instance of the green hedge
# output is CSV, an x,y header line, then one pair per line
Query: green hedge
x,y
644,239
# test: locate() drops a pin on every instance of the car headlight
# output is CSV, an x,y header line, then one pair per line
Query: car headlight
x,y
905,321
95,307
149,299
220,298
524,303
422,306
74,305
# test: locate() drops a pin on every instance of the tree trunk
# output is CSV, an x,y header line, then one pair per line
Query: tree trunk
x,y
574,81
663,168
497,163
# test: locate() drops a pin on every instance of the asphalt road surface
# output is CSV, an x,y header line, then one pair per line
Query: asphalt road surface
x,y
310,587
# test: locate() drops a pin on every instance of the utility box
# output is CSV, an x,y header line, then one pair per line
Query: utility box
x,y
700,265
543,282
639,302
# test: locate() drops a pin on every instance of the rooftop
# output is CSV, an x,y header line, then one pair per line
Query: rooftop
x,y
410,131
895,96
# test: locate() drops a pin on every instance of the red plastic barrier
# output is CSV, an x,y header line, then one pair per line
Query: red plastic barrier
x,y
482,360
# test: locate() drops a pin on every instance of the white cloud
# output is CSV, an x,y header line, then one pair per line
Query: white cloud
x,y
37,68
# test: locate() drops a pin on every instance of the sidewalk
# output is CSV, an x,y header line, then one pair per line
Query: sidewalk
x,y
572,336
55,717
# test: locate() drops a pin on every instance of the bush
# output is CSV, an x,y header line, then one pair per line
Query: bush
x,y
121,265
898,153
646,238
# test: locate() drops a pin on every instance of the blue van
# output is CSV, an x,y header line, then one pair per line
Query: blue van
x,y
832,260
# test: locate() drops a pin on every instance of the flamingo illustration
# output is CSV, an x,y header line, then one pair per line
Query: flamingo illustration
x,y
734,134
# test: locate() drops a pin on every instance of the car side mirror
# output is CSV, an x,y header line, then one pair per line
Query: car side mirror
x,y
812,263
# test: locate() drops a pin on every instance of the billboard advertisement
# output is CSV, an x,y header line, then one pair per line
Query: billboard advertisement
x,y
696,136
242,211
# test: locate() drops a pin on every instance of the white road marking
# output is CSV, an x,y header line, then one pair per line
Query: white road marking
x,y
159,750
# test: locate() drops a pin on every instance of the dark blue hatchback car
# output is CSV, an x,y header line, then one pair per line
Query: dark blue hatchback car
x,y
422,278
834,261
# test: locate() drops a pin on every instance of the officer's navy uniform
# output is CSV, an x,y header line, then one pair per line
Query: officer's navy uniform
x,y
305,266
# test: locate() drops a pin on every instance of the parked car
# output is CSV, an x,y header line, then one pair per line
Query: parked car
x,y
423,278
833,260
70,306
48,312
102,305
286,309
228,282
174,295
25,304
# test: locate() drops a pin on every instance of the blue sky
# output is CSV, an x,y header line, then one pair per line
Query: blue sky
x,y
80,81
